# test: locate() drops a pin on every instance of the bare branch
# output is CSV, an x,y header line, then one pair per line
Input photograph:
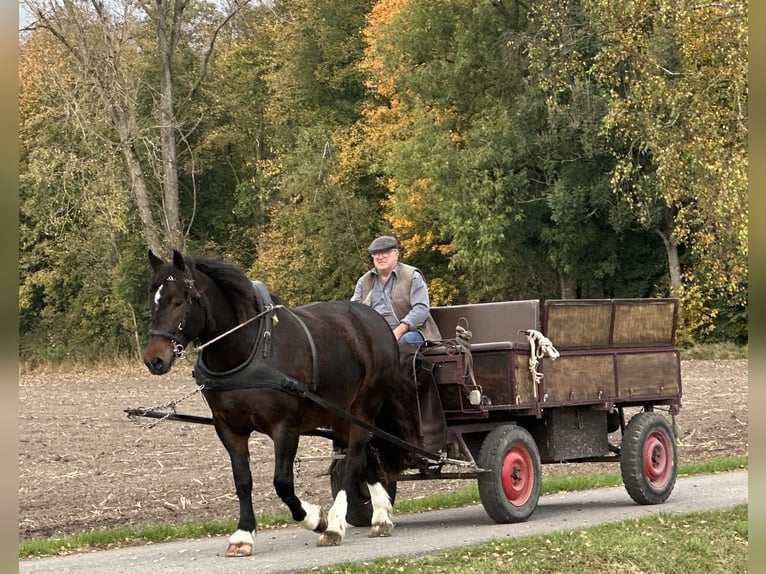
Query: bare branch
x,y
238,6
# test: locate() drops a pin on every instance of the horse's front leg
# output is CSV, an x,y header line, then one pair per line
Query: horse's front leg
x,y
242,541
309,515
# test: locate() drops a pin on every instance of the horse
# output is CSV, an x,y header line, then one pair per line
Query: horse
x,y
284,372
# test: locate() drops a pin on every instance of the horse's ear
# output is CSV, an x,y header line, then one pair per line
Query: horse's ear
x,y
178,260
155,261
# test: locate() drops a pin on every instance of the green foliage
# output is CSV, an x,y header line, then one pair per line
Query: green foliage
x,y
320,217
678,100
455,155
75,225
585,148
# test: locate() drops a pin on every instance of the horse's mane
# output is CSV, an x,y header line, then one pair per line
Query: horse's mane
x,y
237,288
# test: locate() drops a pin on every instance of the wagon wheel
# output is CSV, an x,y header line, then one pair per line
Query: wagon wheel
x,y
359,511
648,458
510,492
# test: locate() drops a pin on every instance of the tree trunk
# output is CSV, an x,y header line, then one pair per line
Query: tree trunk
x,y
671,250
141,196
567,285
168,20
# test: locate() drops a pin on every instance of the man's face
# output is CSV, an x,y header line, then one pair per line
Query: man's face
x,y
385,261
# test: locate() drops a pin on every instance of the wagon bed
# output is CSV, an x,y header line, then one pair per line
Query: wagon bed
x,y
614,352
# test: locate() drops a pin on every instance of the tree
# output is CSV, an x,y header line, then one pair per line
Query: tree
x,y
87,101
75,225
445,142
487,161
677,74
592,234
106,40
231,160
320,217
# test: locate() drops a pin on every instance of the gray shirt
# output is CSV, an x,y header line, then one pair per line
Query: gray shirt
x,y
380,300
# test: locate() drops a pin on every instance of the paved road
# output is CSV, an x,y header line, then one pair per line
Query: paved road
x,y
415,534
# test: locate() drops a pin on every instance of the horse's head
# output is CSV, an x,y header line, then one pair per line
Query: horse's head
x,y
177,314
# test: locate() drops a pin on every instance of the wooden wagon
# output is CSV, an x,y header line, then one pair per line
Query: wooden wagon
x,y
498,406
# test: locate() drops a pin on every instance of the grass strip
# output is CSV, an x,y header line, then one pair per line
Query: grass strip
x,y
129,535
696,543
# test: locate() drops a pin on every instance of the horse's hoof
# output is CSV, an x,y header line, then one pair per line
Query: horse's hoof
x,y
239,549
322,526
329,539
381,529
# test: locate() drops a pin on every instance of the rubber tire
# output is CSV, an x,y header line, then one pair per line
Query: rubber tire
x,y
359,511
509,451
648,458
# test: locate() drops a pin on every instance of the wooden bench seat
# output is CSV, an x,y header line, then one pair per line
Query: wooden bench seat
x,y
494,326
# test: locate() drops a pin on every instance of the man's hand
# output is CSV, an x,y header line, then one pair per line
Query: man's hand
x,y
400,330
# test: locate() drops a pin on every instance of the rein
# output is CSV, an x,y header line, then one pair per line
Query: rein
x,y
233,329
179,350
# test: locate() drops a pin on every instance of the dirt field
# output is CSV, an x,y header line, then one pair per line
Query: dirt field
x,y
84,465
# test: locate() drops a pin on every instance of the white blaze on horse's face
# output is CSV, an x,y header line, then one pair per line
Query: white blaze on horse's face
x,y
157,296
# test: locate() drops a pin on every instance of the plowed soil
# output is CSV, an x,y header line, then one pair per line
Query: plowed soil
x,y
84,465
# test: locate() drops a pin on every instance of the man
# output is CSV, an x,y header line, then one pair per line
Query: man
x,y
398,292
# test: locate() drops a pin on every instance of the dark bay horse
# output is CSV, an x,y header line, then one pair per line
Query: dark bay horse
x,y
253,379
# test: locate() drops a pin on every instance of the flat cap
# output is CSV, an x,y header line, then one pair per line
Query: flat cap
x,y
383,243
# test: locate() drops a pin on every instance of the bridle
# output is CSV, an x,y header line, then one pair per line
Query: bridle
x,y
192,296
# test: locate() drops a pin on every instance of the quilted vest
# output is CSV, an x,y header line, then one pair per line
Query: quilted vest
x,y
401,298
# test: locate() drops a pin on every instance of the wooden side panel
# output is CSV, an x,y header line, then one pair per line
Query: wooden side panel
x,y
610,323
579,378
648,374
493,375
572,326
612,352
525,388
650,323
448,372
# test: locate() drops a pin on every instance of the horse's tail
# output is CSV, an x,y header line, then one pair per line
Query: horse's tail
x,y
399,414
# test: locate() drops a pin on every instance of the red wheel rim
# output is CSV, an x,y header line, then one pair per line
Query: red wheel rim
x,y
658,463
518,475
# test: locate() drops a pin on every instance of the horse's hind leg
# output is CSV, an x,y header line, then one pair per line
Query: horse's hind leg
x,y
358,465
381,524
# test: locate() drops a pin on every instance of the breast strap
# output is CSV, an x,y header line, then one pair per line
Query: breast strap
x,y
258,371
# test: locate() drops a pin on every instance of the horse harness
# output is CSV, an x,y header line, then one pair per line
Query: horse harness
x,y
257,372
